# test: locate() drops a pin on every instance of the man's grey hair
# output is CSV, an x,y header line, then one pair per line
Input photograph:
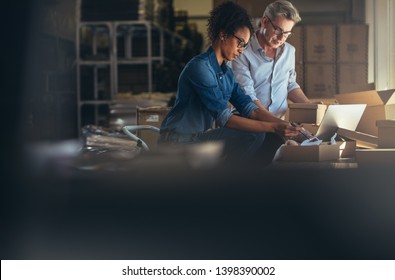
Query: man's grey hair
x,y
282,8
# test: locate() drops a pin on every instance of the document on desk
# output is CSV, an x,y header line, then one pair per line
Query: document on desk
x,y
311,142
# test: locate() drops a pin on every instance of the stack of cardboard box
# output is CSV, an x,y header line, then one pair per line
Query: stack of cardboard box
x,y
331,58
352,57
320,60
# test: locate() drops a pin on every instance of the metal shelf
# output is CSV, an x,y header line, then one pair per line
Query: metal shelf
x,y
122,43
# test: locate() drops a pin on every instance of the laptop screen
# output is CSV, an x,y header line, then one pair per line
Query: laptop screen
x,y
340,115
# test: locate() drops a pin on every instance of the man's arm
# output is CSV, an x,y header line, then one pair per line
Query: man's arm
x,y
297,96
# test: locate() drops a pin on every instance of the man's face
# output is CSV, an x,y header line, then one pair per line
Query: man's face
x,y
277,30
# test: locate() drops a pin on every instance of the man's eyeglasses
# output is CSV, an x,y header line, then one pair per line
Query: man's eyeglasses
x,y
240,42
279,32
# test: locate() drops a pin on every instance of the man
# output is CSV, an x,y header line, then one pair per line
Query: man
x,y
266,70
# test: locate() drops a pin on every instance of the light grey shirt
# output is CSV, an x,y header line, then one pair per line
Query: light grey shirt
x,y
265,79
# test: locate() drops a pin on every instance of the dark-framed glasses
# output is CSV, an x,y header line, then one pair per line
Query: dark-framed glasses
x,y
240,42
279,32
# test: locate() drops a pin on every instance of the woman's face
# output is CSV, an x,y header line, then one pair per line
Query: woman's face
x,y
234,44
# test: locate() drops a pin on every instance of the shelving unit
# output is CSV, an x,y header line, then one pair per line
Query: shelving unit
x,y
114,57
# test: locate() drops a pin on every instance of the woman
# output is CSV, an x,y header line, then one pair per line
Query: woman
x,y
206,87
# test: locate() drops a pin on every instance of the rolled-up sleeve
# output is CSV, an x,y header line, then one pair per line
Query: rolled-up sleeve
x,y
224,117
292,84
242,73
242,102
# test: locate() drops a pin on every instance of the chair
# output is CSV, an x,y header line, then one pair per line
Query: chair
x,y
140,143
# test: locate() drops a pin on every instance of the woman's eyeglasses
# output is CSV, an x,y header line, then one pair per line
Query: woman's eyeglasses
x,y
240,42
279,32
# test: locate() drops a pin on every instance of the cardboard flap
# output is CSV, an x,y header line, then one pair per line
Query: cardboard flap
x,y
362,139
388,96
370,97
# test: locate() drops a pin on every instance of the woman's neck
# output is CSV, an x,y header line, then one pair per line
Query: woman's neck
x,y
218,53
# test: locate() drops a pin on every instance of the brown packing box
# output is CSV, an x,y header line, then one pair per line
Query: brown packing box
x,y
325,101
320,43
299,69
386,133
306,113
150,116
320,80
363,140
380,106
352,43
347,148
296,40
352,77
322,152
375,156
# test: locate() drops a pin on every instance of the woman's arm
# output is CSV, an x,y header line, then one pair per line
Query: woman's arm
x,y
282,128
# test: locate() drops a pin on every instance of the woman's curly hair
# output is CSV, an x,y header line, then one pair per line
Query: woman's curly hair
x,y
227,18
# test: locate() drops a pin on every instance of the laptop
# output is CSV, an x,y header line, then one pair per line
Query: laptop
x,y
340,115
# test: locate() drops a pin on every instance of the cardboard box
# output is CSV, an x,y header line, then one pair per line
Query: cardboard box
x,y
150,116
363,140
320,80
347,148
306,113
352,77
380,106
325,101
322,152
320,43
297,41
386,132
352,43
299,69
375,157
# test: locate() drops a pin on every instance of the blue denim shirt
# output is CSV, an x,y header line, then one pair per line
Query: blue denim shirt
x,y
204,89
265,79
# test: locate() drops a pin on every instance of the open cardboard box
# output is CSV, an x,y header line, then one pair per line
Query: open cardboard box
x,y
347,147
363,140
306,112
380,106
344,148
307,153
